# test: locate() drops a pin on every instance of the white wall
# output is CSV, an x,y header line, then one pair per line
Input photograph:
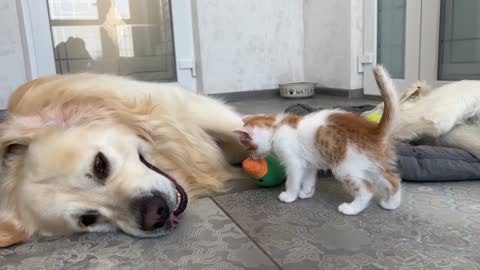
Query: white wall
x,y
244,45
333,41
12,63
356,43
249,44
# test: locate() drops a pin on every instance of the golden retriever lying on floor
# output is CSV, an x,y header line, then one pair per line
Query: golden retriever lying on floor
x,y
86,152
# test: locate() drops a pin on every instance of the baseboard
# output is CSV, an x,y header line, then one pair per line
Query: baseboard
x,y
236,96
373,97
350,93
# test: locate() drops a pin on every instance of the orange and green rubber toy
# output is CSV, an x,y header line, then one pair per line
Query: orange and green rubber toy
x,y
266,172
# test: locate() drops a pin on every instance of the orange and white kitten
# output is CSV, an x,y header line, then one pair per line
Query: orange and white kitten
x,y
358,152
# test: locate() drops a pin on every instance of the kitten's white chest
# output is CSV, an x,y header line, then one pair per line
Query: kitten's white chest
x,y
297,144
285,142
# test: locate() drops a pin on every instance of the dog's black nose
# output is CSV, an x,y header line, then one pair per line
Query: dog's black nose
x,y
154,212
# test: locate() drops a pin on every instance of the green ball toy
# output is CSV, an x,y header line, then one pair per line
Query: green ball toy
x,y
266,172
374,117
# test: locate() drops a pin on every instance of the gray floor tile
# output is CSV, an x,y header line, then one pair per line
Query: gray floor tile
x,y
436,227
236,185
205,239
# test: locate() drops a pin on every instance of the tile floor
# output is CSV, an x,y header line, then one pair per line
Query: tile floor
x,y
437,227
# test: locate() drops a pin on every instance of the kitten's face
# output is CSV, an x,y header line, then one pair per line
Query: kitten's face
x,y
256,135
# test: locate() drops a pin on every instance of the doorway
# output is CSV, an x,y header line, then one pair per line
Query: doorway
x,y
437,41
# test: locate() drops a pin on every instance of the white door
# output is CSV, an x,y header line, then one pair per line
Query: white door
x,y
437,41
149,40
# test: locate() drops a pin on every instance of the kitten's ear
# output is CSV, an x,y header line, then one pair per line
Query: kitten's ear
x,y
243,134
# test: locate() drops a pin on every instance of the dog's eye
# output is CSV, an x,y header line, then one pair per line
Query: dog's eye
x,y
88,219
101,167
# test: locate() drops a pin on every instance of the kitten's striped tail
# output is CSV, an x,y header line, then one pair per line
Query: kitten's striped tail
x,y
391,103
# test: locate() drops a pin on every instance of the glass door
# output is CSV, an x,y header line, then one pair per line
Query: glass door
x,y
126,37
149,40
437,41
451,41
391,38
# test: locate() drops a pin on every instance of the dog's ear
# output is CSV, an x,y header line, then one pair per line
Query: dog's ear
x,y
59,116
415,91
10,234
17,132
12,150
423,88
14,140
37,121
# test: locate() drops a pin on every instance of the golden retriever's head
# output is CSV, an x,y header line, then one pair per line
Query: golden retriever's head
x,y
409,97
83,167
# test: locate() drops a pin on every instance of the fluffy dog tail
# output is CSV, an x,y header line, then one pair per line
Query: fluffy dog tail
x,y
390,97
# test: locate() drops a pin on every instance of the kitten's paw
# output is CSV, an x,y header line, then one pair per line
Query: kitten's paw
x,y
392,202
348,209
389,205
306,194
287,197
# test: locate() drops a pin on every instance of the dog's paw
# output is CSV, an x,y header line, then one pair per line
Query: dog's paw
x,y
306,194
348,209
287,197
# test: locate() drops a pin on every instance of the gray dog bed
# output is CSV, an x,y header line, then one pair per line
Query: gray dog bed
x,y
420,162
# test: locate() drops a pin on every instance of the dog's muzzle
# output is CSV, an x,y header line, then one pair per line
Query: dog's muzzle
x,y
154,209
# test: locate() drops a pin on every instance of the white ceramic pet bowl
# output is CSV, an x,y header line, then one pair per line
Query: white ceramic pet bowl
x,y
297,89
